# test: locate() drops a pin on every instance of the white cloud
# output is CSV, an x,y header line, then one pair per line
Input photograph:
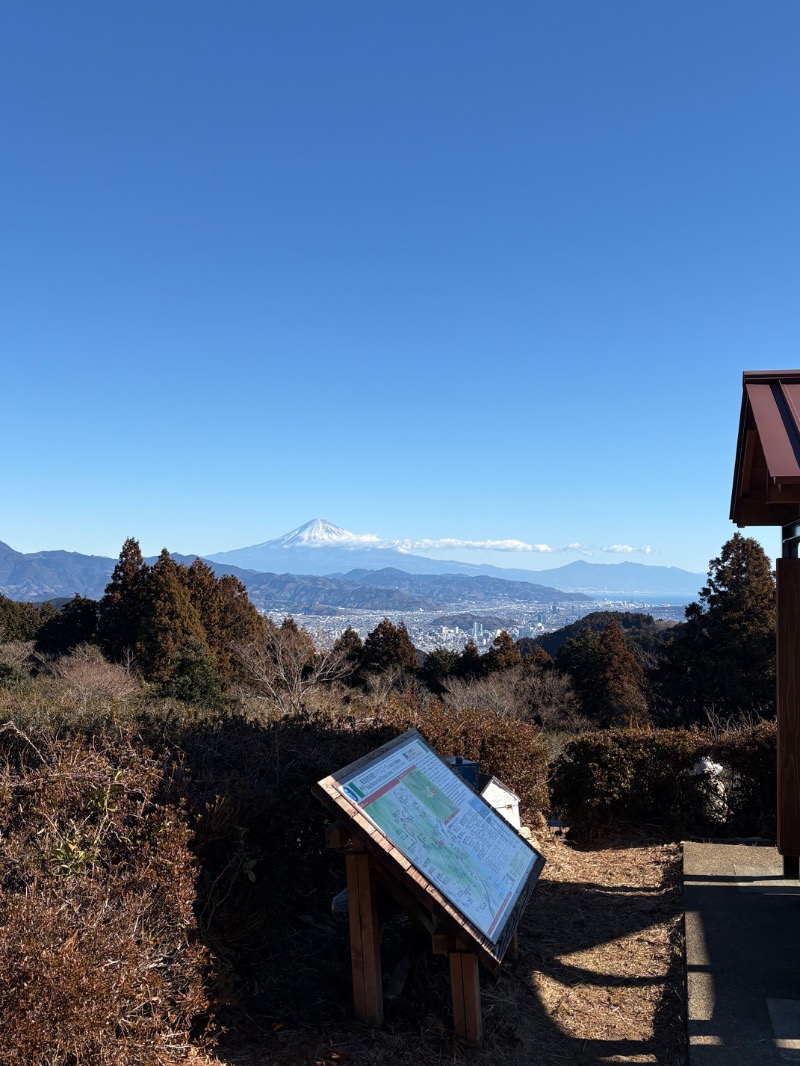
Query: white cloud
x,y
444,543
409,545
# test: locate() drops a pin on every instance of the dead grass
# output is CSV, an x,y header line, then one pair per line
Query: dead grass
x,y
598,979
605,938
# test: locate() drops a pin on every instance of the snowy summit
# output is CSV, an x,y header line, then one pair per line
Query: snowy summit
x,y
316,533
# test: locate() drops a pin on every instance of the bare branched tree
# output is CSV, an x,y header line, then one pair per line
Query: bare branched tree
x,y
543,697
85,676
284,664
16,652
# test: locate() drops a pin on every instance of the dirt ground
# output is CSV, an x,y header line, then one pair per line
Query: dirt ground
x,y
598,979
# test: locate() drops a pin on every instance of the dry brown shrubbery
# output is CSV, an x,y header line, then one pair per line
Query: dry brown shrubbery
x,y
16,652
117,864
84,677
513,750
99,961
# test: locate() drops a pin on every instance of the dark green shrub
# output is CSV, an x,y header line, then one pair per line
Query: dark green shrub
x,y
631,775
644,775
749,758
195,677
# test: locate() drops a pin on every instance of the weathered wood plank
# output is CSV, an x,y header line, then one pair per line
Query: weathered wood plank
x,y
365,940
337,835
466,988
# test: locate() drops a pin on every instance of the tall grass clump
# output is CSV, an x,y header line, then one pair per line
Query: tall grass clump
x,y
99,955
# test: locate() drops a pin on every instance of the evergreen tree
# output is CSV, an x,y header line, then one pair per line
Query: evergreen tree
x,y
388,647
201,584
170,622
348,647
74,624
439,664
194,677
470,664
237,622
23,620
533,654
606,675
122,608
503,654
723,658
169,614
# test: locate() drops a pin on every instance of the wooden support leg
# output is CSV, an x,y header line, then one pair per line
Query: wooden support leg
x,y
513,949
465,979
365,940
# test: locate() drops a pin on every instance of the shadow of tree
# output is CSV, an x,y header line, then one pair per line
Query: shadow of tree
x,y
582,1010
282,976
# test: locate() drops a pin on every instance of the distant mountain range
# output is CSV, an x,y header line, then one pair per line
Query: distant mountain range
x,y
320,565
457,588
606,579
319,547
47,575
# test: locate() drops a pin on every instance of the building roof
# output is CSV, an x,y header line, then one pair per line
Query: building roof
x,y
766,480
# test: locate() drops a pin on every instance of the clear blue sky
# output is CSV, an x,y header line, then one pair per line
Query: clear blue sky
x,y
480,271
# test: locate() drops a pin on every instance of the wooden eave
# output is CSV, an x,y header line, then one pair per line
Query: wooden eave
x,y
766,479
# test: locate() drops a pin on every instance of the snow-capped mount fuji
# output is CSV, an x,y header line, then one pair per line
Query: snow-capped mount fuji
x,y
319,547
315,534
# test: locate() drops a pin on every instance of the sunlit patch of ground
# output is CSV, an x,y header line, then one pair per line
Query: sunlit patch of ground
x,y
607,970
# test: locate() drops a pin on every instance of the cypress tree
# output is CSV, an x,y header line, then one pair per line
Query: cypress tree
x,y
722,659
503,654
388,647
171,621
606,675
122,608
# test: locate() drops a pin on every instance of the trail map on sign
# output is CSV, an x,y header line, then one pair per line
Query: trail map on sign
x,y
451,835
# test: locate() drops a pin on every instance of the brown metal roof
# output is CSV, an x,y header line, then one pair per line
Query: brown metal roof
x,y
766,479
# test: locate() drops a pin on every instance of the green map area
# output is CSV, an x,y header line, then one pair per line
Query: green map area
x,y
412,816
429,795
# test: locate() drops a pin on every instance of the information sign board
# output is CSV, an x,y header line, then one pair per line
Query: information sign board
x,y
415,812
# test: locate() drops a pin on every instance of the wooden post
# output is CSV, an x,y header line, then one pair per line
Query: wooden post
x,y
788,699
465,981
512,951
365,938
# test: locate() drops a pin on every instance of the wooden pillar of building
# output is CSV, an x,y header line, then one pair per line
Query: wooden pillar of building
x,y
788,700
766,492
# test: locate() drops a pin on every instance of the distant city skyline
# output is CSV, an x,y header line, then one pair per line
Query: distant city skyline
x,y
445,274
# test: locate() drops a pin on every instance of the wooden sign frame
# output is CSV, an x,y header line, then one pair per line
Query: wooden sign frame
x,y
490,951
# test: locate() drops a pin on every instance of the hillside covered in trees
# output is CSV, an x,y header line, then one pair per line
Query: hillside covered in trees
x,y
196,636
161,741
